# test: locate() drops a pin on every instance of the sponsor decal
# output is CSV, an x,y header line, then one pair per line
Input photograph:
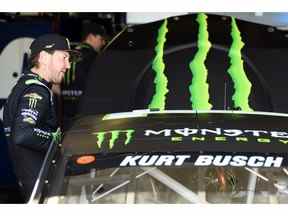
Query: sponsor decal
x,y
220,135
238,161
29,113
85,159
154,160
41,133
202,160
198,135
50,45
29,120
71,93
199,88
242,85
33,98
158,66
114,135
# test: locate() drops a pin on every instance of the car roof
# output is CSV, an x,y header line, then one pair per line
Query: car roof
x,y
172,131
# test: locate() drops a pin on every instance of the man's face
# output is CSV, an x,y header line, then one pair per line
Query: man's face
x,y
58,65
97,42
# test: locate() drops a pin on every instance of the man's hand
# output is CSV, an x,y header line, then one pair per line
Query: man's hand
x,y
57,136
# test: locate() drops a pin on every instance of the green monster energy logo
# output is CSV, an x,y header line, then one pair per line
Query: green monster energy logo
x,y
199,89
33,98
161,81
114,135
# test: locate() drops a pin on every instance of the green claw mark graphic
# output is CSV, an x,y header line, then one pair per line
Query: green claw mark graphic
x,y
128,136
100,138
161,81
114,136
199,88
242,85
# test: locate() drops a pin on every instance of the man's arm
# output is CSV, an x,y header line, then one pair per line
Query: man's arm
x,y
29,129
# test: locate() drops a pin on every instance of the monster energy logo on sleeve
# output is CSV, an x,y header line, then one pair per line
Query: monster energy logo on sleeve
x,y
114,135
33,98
199,87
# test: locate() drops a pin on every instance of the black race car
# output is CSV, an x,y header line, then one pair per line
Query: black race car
x,y
167,156
178,150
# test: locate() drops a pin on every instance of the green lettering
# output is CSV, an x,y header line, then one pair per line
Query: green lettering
x,y
220,139
242,139
198,138
283,141
263,140
176,139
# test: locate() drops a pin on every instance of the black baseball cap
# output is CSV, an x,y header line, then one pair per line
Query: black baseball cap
x,y
52,42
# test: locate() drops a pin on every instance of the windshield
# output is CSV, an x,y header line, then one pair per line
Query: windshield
x,y
185,184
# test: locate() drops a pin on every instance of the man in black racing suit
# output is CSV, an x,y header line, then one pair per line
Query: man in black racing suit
x,y
29,114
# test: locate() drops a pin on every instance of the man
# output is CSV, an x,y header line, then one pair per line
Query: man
x,y
29,115
93,36
93,40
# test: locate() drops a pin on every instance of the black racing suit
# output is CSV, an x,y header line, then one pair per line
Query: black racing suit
x,y
75,82
29,120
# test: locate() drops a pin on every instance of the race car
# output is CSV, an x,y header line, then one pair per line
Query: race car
x,y
171,156
191,119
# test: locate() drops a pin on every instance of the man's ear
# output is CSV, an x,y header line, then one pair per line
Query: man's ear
x,y
90,36
43,57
